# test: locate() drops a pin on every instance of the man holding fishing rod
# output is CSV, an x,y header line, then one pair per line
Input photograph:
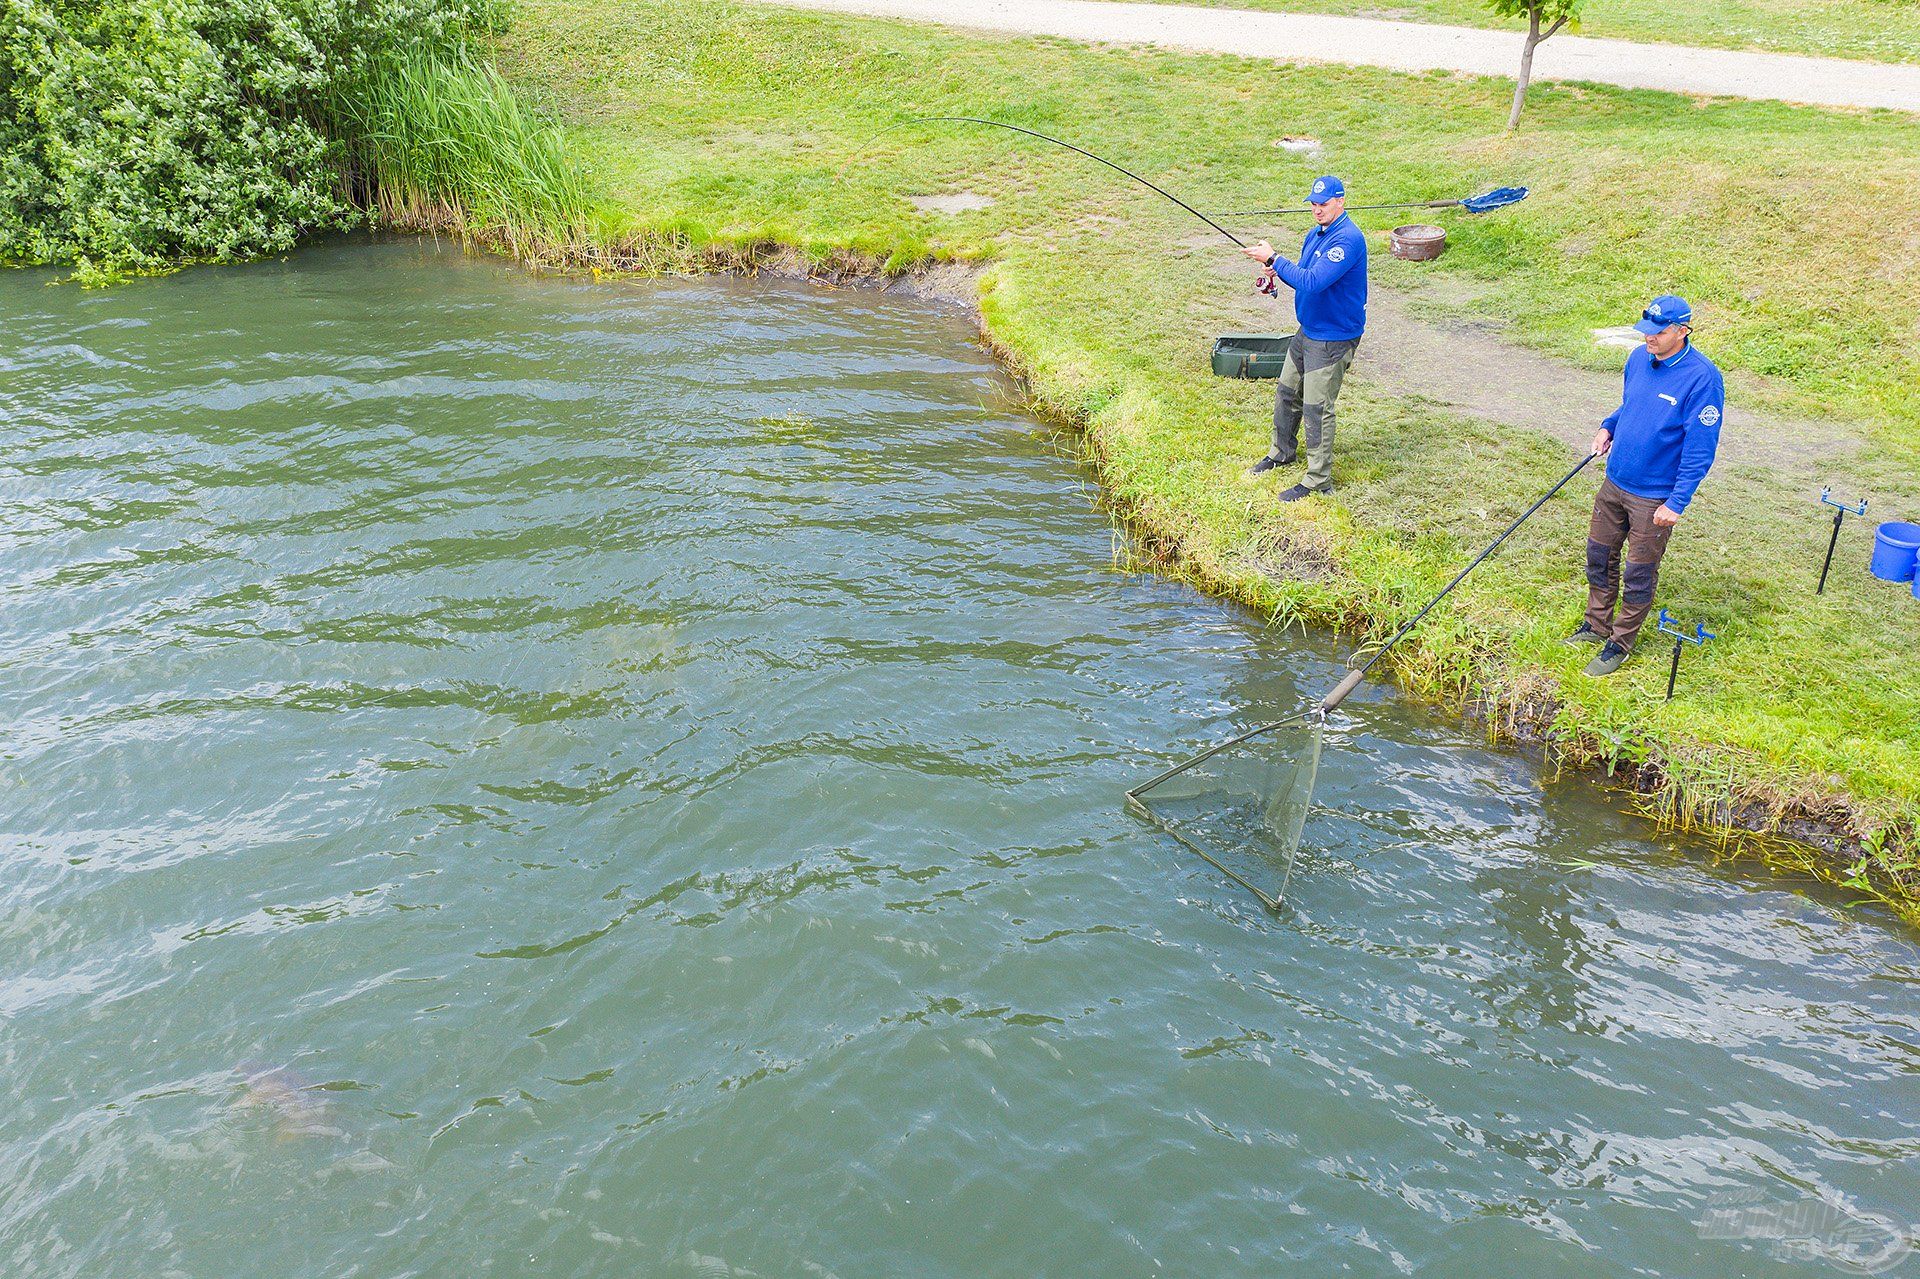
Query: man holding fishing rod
x,y
1329,285
1658,444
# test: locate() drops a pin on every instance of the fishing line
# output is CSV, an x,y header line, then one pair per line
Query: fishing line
x,y
1034,133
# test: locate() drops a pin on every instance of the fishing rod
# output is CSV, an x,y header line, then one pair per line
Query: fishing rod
x,y
1498,198
1353,677
1033,133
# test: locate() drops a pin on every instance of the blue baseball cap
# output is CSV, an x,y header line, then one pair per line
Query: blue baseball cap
x,y
1666,310
1327,188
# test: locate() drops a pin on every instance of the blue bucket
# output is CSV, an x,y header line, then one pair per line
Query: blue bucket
x,y
1895,545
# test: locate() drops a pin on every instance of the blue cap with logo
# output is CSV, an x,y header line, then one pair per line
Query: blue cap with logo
x,y
1666,310
1326,188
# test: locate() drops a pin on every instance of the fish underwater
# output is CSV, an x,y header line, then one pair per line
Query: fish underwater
x,y
291,1107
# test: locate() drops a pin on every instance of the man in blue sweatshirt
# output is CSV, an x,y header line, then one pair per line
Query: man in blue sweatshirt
x,y
1329,285
1658,445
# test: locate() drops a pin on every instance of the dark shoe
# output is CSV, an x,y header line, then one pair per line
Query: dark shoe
x,y
1299,491
1266,464
1586,635
1608,659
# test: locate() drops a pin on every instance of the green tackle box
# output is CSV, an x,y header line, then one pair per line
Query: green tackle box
x,y
1250,355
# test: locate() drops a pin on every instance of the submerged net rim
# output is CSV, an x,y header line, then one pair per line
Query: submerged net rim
x,y
1269,827
1316,713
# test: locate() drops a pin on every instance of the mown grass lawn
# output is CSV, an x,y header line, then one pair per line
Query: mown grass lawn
x,y
1793,231
1880,30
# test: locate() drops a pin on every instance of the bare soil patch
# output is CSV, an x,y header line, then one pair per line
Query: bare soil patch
x,y
955,202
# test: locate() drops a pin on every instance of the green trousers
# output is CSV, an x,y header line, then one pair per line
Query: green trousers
x,y
1309,384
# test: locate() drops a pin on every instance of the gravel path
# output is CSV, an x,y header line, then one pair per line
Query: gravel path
x,y
1417,46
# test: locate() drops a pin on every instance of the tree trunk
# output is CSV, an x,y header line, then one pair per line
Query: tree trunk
x,y
1534,36
1526,69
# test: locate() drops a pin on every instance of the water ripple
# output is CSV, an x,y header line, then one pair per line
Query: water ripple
x,y
628,774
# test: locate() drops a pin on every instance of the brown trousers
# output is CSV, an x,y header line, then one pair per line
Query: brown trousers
x,y
1622,521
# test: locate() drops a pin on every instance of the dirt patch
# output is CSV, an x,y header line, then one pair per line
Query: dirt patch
x,y
956,202
951,285
1290,554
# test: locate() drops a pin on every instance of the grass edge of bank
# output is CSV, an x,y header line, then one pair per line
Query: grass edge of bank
x,y
1807,829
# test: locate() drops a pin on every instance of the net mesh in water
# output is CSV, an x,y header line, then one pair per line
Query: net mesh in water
x,y
1241,806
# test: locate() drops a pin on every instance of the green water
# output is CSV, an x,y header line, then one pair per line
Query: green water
x,y
525,777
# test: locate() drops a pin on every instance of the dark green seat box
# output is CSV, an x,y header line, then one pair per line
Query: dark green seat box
x,y
1250,355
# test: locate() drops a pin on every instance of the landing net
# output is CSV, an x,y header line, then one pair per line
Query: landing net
x,y
1241,806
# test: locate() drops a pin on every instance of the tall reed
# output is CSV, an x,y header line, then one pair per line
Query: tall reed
x,y
441,141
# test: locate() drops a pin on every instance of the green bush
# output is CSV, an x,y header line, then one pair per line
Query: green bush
x,y
138,133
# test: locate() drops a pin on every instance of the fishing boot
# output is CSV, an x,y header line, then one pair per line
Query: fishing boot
x,y
1608,659
1585,635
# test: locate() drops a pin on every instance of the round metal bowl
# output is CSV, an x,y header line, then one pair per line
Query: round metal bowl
x,y
1417,243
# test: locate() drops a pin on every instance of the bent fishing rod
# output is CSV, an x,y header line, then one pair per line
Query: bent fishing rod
x,y
1353,677
1034,133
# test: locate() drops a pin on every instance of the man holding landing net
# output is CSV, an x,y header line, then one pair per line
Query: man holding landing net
x,y
1329,285
1658,444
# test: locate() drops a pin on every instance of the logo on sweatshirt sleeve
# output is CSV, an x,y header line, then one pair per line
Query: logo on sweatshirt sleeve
x,y
1338,253
1709,415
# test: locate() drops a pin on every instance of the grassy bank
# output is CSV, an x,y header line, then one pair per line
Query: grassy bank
x,y
721,131
1879,30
